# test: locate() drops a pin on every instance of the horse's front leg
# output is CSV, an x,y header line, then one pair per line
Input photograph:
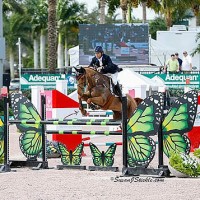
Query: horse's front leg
x,y
99,101
85,96
81,108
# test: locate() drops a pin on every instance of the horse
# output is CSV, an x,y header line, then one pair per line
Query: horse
x,y
94,88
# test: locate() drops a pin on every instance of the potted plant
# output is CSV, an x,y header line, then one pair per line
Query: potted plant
x,y
182,165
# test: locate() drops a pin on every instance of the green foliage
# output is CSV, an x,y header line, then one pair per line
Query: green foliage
x,y
197,49
2,109
175,92
197,153
112,6
184,164
27,93
157,24
70,90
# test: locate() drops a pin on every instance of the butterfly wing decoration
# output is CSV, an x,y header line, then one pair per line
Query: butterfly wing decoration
x,y
31,137
179,120
69,157
1,138
109,155
144,122
141,150
103,159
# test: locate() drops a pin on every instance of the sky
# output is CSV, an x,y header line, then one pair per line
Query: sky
x,y
137,12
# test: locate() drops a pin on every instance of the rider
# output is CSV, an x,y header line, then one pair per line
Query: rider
x,y
103,63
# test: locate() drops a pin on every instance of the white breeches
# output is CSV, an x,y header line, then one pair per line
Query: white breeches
x,y
113,77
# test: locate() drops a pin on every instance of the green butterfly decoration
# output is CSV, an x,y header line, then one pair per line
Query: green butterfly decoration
x,y
1,138
144,122
103,159
179,120
71,157
31,138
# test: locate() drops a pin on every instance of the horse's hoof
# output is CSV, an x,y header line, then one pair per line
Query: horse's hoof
x,y
84,113
92,106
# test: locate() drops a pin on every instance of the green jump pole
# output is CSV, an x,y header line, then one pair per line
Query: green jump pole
x,y
67,132
103,123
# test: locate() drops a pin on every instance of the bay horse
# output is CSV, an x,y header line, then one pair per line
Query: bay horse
x,y
94,88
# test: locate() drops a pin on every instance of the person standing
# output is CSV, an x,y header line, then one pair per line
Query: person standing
x,y
172,65
179,61
187,63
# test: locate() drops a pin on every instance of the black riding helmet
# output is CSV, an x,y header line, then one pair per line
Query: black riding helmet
x,y
98,49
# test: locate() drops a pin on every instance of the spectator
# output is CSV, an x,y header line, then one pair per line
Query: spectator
x,y
187,63
179,61
172,65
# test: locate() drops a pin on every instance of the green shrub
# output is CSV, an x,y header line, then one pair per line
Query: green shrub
x,y
197,153
185,164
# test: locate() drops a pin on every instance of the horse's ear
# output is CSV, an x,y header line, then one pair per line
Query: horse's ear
x,y
75,69
82,70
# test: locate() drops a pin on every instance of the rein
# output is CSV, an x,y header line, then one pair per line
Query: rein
x,y
83,83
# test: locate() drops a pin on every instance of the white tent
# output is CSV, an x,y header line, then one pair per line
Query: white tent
x,y
140,84
128,78
74,56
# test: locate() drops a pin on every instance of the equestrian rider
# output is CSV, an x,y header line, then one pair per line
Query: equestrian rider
x,y
103,64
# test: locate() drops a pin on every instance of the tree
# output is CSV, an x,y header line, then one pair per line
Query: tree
x,y
16,24
52,53
102,5
169,8
127,5
37,11
155,25
39,20
69,15
197,49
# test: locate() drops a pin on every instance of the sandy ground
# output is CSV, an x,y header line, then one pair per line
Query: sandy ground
x,y
64,184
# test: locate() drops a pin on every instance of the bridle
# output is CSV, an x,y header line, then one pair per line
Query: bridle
x,y
78,78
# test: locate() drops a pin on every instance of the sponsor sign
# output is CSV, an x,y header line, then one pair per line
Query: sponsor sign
x,y
48,81
178,80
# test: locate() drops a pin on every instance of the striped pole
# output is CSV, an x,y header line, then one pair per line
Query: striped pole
x,y
86,120
84,132
103,123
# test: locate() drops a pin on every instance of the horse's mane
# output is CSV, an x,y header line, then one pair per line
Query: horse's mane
x,y
93,71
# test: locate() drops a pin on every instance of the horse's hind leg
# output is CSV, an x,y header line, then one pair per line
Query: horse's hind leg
x,y
117,115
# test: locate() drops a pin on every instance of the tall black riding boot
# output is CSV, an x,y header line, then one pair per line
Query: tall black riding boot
x,y
117,90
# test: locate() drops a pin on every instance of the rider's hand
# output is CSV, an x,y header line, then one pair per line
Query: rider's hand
x,y
99,69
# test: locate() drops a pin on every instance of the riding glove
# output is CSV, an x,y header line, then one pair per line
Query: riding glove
x,y
99,69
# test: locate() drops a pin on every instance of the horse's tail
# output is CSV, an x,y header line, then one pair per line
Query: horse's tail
x,y
131,105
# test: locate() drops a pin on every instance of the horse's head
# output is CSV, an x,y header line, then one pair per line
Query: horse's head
x,y
79,72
